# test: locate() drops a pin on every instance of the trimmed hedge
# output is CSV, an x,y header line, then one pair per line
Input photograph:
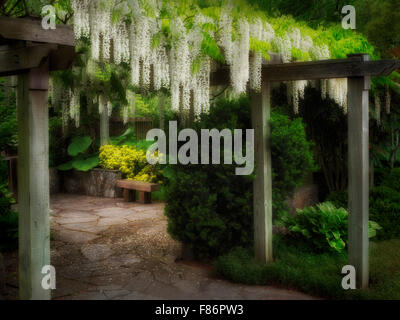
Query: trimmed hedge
x,y
209,207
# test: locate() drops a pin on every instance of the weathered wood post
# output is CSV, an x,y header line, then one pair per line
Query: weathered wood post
x,y
358,109
262,185
33,182
104,123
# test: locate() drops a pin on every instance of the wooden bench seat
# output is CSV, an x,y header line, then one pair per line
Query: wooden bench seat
x,y
145,189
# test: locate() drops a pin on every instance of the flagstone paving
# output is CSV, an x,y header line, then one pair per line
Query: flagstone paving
x,y
109,249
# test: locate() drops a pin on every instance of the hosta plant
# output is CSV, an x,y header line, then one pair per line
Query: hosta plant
x,y
323,228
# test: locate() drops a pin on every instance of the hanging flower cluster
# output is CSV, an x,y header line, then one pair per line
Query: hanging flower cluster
x,y
81,18
177,51
337,90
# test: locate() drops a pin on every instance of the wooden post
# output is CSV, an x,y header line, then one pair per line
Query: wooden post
x,y
358,101
104,128
262,185
33,182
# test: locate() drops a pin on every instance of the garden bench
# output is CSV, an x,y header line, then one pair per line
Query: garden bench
x,y
130,186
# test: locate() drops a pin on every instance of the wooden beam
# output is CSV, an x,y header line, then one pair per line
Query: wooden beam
x,y
262,184
221,77
326,69
62,58
20,60
29,29
33,182
358,139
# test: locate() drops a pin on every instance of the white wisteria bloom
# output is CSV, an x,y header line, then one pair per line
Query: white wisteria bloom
x,y
121,43
240,63
337,90
256,58
81,18
284,47
295,37
180,67
100,27
306,44
225,36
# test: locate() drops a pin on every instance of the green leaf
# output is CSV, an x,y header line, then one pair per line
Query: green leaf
x,y
86,164
65,166
79,145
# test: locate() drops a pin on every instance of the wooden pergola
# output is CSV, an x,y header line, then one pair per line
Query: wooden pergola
x,y
31,52
358,69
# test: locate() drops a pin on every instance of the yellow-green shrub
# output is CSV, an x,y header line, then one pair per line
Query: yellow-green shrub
x,y
130,161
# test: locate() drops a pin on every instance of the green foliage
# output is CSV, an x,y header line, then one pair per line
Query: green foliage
x,y
8,123
380,21
385,209
323,227
127,138
86,164
392,180
298,268
314,12
291,152
338,198
79,145
8,220
292,158
81,160
209,207
326,126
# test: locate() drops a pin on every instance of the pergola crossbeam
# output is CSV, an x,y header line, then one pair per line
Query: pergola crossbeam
x,y
22,59
324,69
29,29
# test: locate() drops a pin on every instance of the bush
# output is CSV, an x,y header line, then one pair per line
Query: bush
x,y
323,228
8,220
131,161
392,180
338,198
209,207
296,267
385,210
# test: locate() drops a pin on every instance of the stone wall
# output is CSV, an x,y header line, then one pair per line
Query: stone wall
x,y
96,182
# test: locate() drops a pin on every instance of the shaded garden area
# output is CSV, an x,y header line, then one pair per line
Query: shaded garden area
x,y
142,65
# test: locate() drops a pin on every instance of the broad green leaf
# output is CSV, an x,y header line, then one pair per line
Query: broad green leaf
x,y
79,145
86,164
65,166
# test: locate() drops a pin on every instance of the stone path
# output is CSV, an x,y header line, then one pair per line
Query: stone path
x,y
108,249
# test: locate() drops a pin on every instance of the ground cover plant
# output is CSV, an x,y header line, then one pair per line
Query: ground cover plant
x,y
318,274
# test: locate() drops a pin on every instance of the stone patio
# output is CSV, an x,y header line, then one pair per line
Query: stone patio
x,y
105,248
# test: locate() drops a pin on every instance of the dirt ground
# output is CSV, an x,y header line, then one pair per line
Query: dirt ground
x,y
108,249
